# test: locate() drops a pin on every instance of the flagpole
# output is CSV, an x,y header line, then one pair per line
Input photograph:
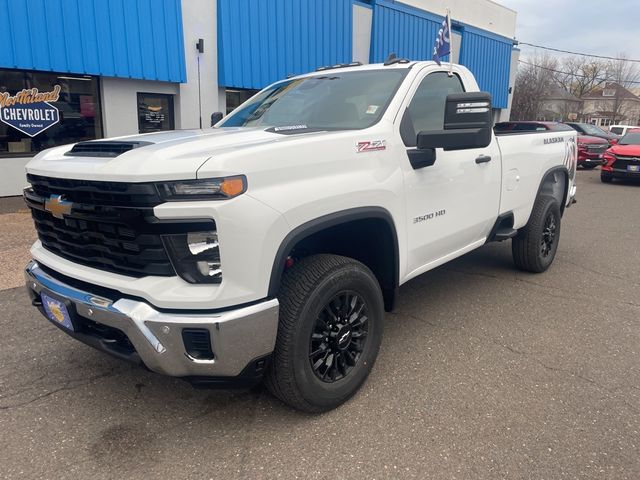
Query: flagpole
x,y
450,43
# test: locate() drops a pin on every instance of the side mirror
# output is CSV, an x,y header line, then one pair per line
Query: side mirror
x,y
216,117
467,124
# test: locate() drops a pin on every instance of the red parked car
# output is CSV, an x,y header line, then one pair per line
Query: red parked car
x,y
590,149
623,160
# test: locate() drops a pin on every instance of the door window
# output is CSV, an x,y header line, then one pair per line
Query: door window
x,y
426,110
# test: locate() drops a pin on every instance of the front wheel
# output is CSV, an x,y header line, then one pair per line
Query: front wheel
x,y
329,333
606,177
535,245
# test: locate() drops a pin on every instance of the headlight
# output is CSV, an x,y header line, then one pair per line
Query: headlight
x,y
195,256
206,189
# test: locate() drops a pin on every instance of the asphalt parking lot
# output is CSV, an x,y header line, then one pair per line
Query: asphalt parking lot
x,y
484,372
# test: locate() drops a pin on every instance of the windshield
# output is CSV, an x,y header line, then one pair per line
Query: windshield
x,y
617,130
632,138
592,129
333,101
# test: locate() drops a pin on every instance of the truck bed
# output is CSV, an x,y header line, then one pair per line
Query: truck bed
x,y
526,157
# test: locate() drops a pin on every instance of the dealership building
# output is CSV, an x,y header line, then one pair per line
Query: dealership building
x,y
74,70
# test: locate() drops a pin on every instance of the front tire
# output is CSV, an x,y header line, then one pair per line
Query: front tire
x,y
606,177
329,333
535,245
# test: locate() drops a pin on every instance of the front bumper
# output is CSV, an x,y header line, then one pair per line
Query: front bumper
x,y
241,339
619,173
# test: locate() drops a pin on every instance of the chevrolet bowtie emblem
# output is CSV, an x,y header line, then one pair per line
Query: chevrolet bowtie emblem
x,y
58,206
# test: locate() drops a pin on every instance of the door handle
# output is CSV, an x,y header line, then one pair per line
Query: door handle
x,y
483,159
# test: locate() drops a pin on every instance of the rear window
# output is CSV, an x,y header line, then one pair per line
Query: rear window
x,y
617,130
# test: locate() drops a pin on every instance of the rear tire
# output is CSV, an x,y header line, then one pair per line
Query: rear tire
x,y
329,333
535,245
606,177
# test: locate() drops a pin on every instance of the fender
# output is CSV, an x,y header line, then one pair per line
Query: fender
x,y
547,175
327,221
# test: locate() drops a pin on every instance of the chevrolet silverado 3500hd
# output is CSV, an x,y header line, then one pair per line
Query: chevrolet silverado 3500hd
x,y
270,246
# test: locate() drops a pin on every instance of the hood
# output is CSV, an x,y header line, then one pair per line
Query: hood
x,y
625,150
172,155
589,140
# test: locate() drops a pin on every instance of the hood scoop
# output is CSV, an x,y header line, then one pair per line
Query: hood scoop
x,y
109,149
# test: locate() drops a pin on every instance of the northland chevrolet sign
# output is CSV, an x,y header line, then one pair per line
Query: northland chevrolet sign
x,y
30,110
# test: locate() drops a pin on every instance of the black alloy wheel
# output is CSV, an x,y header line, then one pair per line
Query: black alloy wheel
x,y
548,235
536,244
338,337
329,332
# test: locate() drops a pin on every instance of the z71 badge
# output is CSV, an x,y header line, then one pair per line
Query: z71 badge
x,y
371,146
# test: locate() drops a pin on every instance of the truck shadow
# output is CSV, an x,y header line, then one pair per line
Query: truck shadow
x,y
442,289
136,415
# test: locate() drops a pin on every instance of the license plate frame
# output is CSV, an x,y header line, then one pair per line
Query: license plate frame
x,y
57,311
633,168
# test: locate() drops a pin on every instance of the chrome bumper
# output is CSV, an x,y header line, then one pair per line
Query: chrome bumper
x,y
237,336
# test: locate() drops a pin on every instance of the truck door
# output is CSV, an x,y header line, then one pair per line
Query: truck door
x,y
452,204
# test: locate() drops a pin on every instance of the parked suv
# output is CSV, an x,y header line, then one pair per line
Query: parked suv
x,y
623,160
593,131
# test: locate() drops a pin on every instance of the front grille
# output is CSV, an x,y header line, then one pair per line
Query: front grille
x,y
105,225
597,148
110,227
621,162
97,193
103,240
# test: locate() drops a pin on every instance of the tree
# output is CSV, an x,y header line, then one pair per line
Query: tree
x,y
534,81
582,75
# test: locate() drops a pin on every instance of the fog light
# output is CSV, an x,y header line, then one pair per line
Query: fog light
x,y
209,269
201,242
195,256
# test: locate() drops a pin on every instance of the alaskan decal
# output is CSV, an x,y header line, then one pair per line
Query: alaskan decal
x,y
30,111
547,141
371,146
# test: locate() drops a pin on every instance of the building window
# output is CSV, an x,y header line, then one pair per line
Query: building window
x,y
155,112
236,97
40,110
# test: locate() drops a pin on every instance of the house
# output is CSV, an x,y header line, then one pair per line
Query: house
x,y
611,104
559,106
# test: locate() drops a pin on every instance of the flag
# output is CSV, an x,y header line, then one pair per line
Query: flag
x,y
443,40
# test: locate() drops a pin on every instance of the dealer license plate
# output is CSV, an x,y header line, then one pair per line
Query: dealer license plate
x,y
56,311
633,168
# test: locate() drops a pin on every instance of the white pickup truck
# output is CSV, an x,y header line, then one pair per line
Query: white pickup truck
x,y
270,246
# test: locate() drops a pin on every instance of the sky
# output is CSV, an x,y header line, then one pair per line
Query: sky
x,y
589,26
